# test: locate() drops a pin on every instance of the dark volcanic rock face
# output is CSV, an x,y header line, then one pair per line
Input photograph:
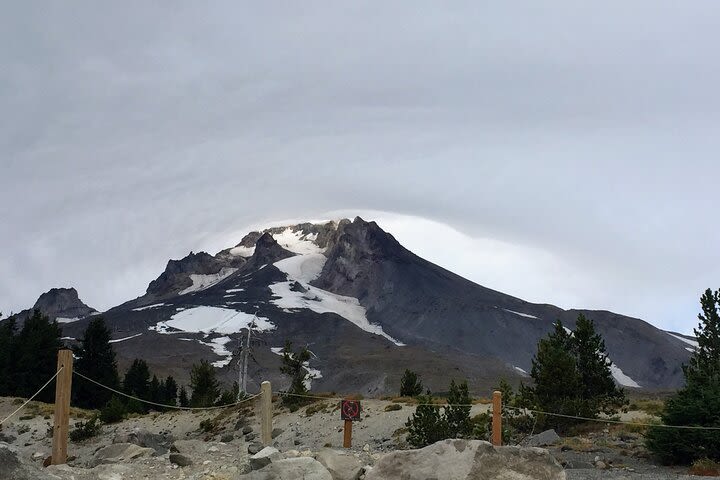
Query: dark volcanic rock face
x,y
267,251
176,276
62,302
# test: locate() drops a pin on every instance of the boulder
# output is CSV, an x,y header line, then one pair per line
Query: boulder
x,y
341,465
143,438
255,447
180,460
264,457
543,439
189,448
466,460
120,453
14,467
290,469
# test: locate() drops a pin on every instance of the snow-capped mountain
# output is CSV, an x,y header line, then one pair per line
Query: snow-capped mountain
x,y
367,308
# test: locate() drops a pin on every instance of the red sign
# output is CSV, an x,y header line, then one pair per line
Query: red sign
x,y
350,410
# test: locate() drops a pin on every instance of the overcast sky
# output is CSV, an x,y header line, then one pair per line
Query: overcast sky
x,y
564,152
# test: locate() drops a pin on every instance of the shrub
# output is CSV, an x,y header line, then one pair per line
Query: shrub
x,y
85,430
410,384
427,425
114,411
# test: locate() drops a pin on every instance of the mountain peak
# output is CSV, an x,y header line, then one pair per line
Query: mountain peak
x,y
268,250
62,303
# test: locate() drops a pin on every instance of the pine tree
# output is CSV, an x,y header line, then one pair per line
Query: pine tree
x,y
427,425
36,356
572,377
557,379
204,385
410,384
598,390
155,392
96,360
137,384
698,403
170,391
293,365
457,412
183,397
7,355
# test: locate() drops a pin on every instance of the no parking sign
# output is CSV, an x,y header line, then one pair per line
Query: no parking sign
x,y
350,410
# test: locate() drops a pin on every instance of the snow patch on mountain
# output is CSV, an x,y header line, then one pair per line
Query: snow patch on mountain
x,y
621,378
526,315
219,347
694,343
140,309
521,370
67,320
202,282
126,338
302,269
212,320
297,242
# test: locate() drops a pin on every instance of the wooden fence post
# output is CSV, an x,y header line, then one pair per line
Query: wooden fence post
x,y
266,413
63,387
497,419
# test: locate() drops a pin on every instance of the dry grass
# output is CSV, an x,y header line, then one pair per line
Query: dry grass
x,y
651,406
705,468
316,408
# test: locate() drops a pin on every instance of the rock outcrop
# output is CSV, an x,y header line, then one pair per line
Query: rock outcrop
x,y
468,460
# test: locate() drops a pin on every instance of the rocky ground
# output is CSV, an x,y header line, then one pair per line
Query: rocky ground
x,y
224,445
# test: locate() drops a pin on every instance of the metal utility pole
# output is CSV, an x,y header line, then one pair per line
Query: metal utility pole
x,y
245,360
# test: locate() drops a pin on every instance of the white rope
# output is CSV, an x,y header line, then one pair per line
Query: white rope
x,y
616,422
176,407
31,398
587,419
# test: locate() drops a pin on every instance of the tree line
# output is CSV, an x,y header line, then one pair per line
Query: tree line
x,y
28,358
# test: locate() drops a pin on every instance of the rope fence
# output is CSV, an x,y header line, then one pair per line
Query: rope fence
x,y
523,410
33,397
162,405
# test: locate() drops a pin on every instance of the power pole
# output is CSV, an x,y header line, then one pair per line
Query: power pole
x,y
245,361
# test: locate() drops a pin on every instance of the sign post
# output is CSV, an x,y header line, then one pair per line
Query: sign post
x,y
349,411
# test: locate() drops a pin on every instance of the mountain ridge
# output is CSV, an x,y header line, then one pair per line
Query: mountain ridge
x,y
362,299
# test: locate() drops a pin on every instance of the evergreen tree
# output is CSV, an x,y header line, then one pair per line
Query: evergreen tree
x,y
204,385
410,384
572,377
183,397
557,379
96,360
7,355
137,384
293,365
698,403
598,390
155,393
427,425
457,412
35,356
170,391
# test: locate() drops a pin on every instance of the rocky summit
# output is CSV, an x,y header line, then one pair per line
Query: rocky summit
x,y
366,307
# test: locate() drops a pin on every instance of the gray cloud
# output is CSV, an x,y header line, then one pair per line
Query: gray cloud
x,y
132,133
